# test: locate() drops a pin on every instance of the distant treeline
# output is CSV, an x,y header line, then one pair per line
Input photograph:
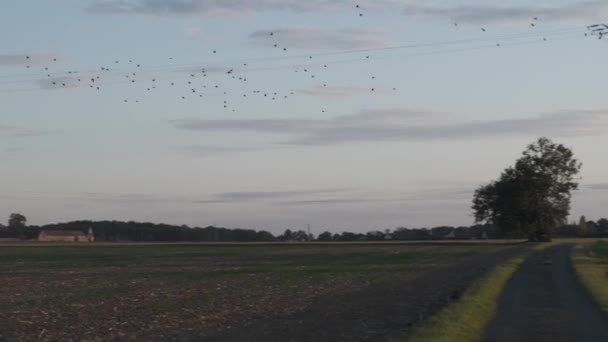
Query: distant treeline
x,y
150,232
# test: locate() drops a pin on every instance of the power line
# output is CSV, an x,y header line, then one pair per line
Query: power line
x,y
174,67
512,41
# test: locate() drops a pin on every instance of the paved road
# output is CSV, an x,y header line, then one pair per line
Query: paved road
x,y
544,302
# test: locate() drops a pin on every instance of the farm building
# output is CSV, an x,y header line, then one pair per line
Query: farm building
x,y
66,236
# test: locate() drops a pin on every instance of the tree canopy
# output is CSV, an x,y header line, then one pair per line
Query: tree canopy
x,y
533,196
16,221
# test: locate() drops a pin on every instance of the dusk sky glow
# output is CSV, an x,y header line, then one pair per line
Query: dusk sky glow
x,y
382,116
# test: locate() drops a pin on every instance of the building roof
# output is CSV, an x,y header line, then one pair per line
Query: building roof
x,y
63,233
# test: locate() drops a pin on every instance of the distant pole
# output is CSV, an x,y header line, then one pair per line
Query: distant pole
x,y
308,228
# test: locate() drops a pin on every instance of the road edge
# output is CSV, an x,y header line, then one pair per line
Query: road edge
x,y
591,271
467,318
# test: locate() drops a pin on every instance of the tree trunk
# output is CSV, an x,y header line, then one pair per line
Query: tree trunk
x,y
532,237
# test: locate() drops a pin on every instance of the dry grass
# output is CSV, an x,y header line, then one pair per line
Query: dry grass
x,y
467,318
590,259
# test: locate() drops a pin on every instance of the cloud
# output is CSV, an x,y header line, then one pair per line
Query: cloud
x,y
192,31
474,12
99,197
406,125
317,38
582,11
62,82
14,149
334,201
18,132
206,150
598,186
223,7
25,59
444,194
255,125
229,197
335,91
208,69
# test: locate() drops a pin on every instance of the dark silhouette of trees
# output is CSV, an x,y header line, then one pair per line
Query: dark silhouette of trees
x,y
116,231
410,234
582,226
17,221
602,227
113,231
325,236
348,236
532,197
374,235
298,235
17,225
286,236
301,235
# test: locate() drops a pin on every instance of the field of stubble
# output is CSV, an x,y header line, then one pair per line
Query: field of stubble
x,y
232,293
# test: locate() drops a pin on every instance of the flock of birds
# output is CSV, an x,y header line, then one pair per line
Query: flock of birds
x,y
195,81
599,30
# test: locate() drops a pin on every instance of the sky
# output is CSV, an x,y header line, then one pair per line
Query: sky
x,y
275,114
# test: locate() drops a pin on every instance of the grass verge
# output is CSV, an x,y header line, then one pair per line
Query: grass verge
x,y
467,318
591,265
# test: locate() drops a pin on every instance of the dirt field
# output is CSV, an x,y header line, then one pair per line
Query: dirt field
x,y
232,293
